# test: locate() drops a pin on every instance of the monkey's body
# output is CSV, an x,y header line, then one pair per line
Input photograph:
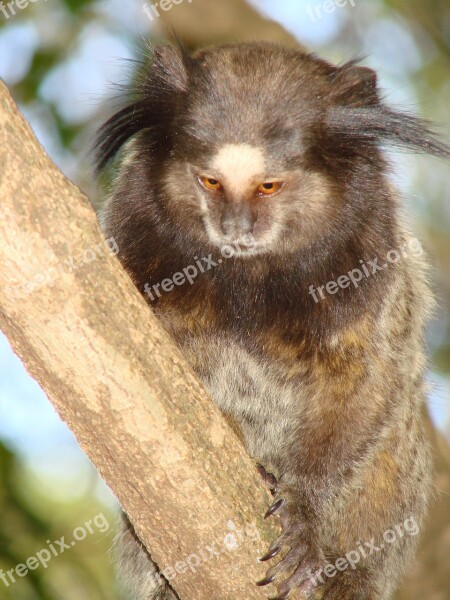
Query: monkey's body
x,y
326,395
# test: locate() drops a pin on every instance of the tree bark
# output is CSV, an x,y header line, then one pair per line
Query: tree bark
x,y
85,334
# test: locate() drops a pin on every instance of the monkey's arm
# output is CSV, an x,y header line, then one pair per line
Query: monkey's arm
x,y
335,438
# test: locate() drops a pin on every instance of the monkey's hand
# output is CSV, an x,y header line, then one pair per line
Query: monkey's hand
x,y
303,559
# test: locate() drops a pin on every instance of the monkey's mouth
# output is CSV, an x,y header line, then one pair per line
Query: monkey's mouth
x,y
240,248
248,252
244,246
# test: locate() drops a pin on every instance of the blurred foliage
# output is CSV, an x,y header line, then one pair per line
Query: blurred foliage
x,y
34,520
52,35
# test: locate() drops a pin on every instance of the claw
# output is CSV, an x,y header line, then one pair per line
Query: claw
x,y
270,554
274,508
269,478
300,581
265,581
272,480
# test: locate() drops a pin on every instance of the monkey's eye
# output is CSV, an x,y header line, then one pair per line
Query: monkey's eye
x,y
210,184
269,188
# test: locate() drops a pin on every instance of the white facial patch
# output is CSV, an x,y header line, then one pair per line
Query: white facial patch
x,y
239,167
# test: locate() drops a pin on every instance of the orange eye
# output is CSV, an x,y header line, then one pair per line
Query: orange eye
x,y
211,184
269,188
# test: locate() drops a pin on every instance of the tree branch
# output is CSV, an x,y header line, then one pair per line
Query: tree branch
x,y
85,334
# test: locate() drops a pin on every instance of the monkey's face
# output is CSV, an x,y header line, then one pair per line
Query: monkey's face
x,y
238,197
258,141
240,165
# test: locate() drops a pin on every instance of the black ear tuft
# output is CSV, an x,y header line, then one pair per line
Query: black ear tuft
x,y
354,85
170,65
151,104
118,130
381,126
358,119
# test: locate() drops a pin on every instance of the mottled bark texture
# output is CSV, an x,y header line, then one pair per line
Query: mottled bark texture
x,y
84,333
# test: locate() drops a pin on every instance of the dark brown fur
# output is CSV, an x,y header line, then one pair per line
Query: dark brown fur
x,y
328,395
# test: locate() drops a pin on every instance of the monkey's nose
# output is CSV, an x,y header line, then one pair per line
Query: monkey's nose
x,y
237,221
232,228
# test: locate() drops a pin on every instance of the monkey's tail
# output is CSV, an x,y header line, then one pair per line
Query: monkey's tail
x,y
139,576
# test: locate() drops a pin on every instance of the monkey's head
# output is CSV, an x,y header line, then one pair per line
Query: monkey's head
x,y
255,142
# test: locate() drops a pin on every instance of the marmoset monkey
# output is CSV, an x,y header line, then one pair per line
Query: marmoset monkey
x,y
254,212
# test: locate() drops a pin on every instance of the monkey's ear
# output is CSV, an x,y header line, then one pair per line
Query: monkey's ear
x,y
150,104
355,85
358,118
356,128
170,63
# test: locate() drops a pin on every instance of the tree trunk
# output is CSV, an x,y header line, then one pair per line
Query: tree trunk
x,y
85,334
